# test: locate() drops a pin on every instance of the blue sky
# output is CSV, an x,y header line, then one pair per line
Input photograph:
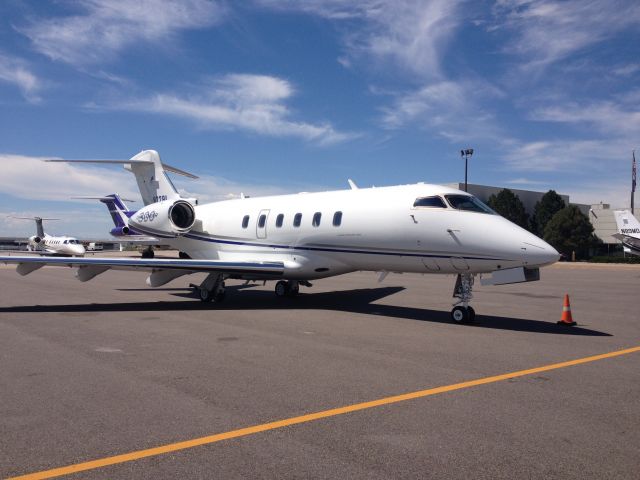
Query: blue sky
x,y
271,96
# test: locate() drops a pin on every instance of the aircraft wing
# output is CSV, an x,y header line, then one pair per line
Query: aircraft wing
x,y
163,270
633,243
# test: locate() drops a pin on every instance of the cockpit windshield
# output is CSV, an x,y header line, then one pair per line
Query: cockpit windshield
x,y
468,203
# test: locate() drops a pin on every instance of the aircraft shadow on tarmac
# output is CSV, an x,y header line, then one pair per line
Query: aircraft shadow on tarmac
x,y
354,301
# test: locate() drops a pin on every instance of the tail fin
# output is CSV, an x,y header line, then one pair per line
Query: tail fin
x,y
153,182
150,173
119,211
39,227
627,223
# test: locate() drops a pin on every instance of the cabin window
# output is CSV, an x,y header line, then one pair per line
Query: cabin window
x,y
66,242
297,220
262,220
316,219
432,202
337,219
468,203
279,220
245,221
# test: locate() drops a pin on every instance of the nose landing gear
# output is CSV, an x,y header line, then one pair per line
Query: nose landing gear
x,y
462,312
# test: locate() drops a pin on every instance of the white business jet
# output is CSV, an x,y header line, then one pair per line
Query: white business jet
x,y
628,231
49,244
297,238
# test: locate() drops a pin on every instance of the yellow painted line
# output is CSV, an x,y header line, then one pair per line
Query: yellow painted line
x,y
242,432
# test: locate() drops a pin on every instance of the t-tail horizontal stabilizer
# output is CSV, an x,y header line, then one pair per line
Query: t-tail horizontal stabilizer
x,y
150,172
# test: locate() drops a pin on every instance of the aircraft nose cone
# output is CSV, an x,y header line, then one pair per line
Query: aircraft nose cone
x,y
538,252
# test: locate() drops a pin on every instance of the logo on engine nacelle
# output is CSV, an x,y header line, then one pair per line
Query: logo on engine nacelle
x,y
147,216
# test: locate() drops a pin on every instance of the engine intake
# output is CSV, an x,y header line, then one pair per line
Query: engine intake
x,y
165,219
182,214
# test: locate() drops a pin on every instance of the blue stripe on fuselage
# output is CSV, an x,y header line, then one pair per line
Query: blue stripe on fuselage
x,y
333,250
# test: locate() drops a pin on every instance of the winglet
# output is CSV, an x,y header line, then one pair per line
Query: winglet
x,y
352,184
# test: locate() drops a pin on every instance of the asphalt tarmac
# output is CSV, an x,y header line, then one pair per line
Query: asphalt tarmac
x,y
110,367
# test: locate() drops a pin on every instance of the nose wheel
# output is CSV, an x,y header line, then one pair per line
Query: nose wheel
x,y
462,312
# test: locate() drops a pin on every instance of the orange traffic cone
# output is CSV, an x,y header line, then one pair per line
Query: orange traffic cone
x,y
566,318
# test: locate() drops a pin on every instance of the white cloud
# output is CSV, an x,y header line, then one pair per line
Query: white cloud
x,y
607,117
547,31
106,27
524,181
32,178
573,158
253,103
16,71
410,33
451,109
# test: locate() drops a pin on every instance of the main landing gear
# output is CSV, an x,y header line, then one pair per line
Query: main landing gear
x,y
462,312
211,289
148,252
289,288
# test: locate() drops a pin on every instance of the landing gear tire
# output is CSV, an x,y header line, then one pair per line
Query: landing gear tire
x,y
208,296
205,295
460,315
281,289
463,315
148,253
472,315
183,255
287,289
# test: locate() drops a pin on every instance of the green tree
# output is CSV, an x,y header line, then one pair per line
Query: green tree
x,y
550,204
507,204
569,230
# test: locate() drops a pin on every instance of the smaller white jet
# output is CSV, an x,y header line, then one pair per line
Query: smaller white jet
x,y
52,245
628,231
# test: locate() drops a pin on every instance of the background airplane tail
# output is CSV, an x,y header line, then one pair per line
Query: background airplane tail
x,y
118,210
627,223
39,227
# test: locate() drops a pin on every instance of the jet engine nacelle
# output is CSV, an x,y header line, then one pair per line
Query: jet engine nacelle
x,y
165,219
35,239
120,231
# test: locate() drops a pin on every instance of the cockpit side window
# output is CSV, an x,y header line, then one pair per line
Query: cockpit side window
x,y
468,203
432,202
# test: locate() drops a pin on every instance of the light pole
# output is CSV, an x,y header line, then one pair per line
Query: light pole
x,y
466,153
